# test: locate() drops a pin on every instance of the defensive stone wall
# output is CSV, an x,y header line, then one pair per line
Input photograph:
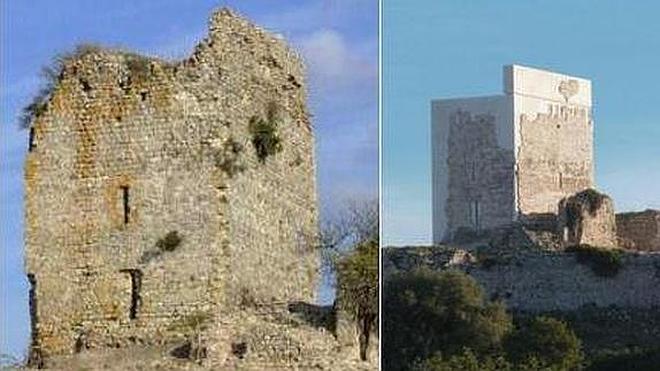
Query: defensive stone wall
x,y
639,230
539,281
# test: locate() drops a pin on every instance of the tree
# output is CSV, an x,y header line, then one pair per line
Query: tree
x,y
429,312
350,244
547,339
357,289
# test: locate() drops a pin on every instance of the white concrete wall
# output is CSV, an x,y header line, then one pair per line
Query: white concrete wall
x,y
536,93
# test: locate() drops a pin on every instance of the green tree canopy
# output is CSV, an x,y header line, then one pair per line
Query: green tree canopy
x,y
357,289
547,339
429,312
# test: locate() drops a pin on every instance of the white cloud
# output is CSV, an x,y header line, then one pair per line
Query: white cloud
x,y
333,63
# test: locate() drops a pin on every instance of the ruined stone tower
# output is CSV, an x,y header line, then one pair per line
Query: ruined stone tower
x,y
158,192
503,158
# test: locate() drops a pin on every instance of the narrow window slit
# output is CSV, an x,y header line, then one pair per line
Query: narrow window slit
x,y
474,214
125,201
31,140
136,287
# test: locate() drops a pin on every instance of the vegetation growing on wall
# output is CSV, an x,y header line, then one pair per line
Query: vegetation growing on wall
x,y
170,242
589,199
51,76
350,246
167,243
357,289
139,67
265,138
139,70
603,262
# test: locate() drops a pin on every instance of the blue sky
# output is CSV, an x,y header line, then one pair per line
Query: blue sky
x,y
338,39
438,49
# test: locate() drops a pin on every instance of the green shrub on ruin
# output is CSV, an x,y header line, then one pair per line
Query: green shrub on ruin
x,y
167,243
139,67
589,200
265,138
51,75
604,262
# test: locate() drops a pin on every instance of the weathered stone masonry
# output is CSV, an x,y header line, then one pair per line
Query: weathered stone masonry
x,y
132,152
479,175
639,230
540,281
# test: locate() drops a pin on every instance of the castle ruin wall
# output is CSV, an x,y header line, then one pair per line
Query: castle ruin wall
x,y
539,281
640,229
146,201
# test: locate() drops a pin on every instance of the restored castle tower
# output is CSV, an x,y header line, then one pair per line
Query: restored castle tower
x,y
157,191
502,158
